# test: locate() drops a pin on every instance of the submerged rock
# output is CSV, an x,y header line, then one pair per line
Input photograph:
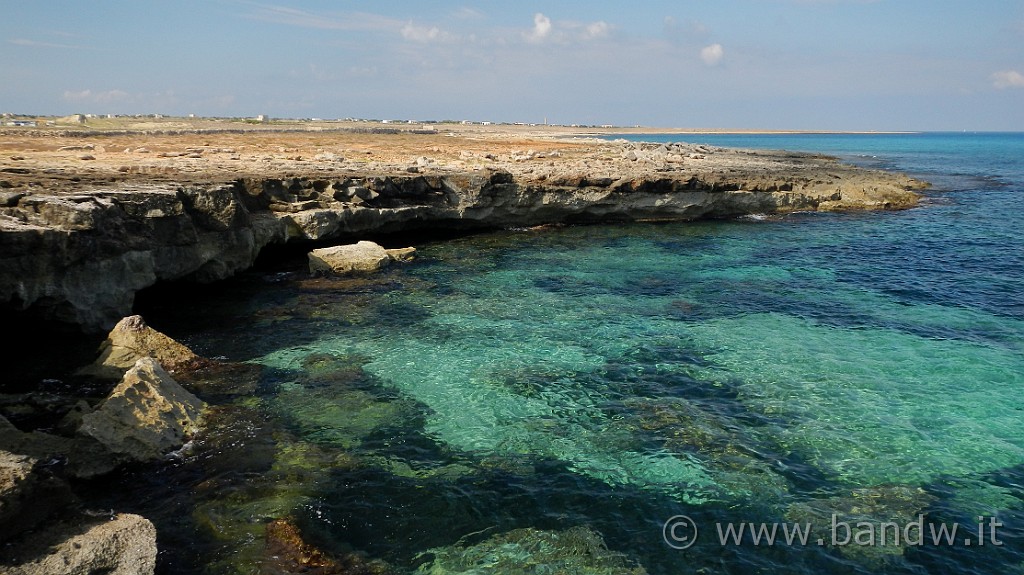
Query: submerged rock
x,y
121,545
291,554
130,340
872,525
147,414
578,550
353,258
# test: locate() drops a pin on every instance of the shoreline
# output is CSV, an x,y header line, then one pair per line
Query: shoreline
x,y
158,123
87,220
90,219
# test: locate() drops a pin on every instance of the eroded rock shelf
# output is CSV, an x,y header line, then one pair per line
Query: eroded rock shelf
x,y
79,237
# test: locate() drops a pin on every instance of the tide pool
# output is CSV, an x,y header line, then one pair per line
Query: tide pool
x,y
509,388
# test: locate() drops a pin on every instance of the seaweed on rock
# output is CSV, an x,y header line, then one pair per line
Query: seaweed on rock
x,y
579,550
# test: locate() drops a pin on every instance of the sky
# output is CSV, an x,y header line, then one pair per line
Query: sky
x,y
740,64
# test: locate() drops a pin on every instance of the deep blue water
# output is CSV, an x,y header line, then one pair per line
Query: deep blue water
x,y
454,413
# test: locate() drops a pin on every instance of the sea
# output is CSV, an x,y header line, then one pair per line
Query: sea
x,y
802,393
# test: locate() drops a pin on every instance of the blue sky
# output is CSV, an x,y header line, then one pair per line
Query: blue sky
x,y
764,64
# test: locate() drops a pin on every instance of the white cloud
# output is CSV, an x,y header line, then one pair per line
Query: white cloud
x,y
467,13
336,21
712,55
38,44
565,32
415,33
541,27
77,96
1008,79
105,97
598,29
353,21
691,28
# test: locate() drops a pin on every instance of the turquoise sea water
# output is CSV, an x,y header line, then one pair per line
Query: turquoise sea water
x,y
766,369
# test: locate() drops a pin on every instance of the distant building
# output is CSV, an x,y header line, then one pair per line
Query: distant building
x,y
262,118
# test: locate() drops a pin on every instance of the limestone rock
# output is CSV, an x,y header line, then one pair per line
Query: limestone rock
x,y
28,494
81,456
402,254
130,340
360,257
147,415
328,157
122,545
78,253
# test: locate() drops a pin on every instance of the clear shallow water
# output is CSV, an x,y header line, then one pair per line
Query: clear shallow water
x,y
611,377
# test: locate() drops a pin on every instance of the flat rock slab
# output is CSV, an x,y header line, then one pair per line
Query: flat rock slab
x,y
352,258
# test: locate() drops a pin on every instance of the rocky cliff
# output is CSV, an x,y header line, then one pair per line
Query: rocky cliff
x,y
77,250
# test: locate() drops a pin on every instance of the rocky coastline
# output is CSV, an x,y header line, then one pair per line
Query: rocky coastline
x,y
89,220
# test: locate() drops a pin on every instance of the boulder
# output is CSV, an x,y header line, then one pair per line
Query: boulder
x,y
361,257
81,456
130,340
121,545
29,494
147,415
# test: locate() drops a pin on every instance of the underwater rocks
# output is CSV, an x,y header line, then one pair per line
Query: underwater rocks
x,y
355,258
289,553
577,550
888,513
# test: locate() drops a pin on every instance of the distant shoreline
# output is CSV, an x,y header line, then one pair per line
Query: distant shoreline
x,y
730,131
159,123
